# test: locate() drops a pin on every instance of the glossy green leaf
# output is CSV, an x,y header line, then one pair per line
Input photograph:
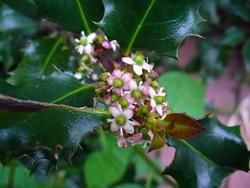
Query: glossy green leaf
x,y
106,167
153,25
184,94
12,21
6,59
25,7
36,77
207,159
27,124
181,126
73,15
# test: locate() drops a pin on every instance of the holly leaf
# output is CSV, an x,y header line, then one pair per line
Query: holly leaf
x,y
26,124
25,7
36,77
152,25
181,126
209,157
13,22
74,15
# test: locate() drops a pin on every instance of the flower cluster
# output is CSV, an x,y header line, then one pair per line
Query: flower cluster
x,y
135,99
131,91
90,47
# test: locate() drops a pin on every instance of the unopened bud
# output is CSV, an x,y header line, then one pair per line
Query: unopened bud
x,y
85,58
114,97
123,102
137,94
104,76
151,121
159,99
155,84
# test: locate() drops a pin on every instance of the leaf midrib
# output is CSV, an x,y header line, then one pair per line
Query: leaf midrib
x,y
83,17
139,26
75,91
51,53
197,151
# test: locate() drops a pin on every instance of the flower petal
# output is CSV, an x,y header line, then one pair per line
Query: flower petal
x,y
127,77
114,44
122,143
129,128
132,85
83,34
89,49
152,103
91,37
159,109
128,113
115,111
117,73
147,66
128,60
152,92
137,69
114,127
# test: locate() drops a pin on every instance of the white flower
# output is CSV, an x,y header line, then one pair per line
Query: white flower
x,y
122,120
78,75
85,43
139,63
158,101
114,45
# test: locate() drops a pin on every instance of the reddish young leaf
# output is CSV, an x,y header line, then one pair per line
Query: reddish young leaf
x,y
181,126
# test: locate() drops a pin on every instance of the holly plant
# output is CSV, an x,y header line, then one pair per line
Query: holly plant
x,y
84,68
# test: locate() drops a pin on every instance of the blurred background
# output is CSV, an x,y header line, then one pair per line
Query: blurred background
x,y
212,75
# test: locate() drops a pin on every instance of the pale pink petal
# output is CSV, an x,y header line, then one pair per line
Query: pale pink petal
x,y
77,40
159,109
80,49
117,73
106,45
122,143
128,113
110,80
114,127
115,111
89,49
152,92
152,103
145,90
147,66
137,69
134,122
127,77
132,85
114,44
83,34
128,60
129,128
91,37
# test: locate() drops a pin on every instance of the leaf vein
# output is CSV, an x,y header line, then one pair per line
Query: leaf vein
x,y
138,28
83,17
